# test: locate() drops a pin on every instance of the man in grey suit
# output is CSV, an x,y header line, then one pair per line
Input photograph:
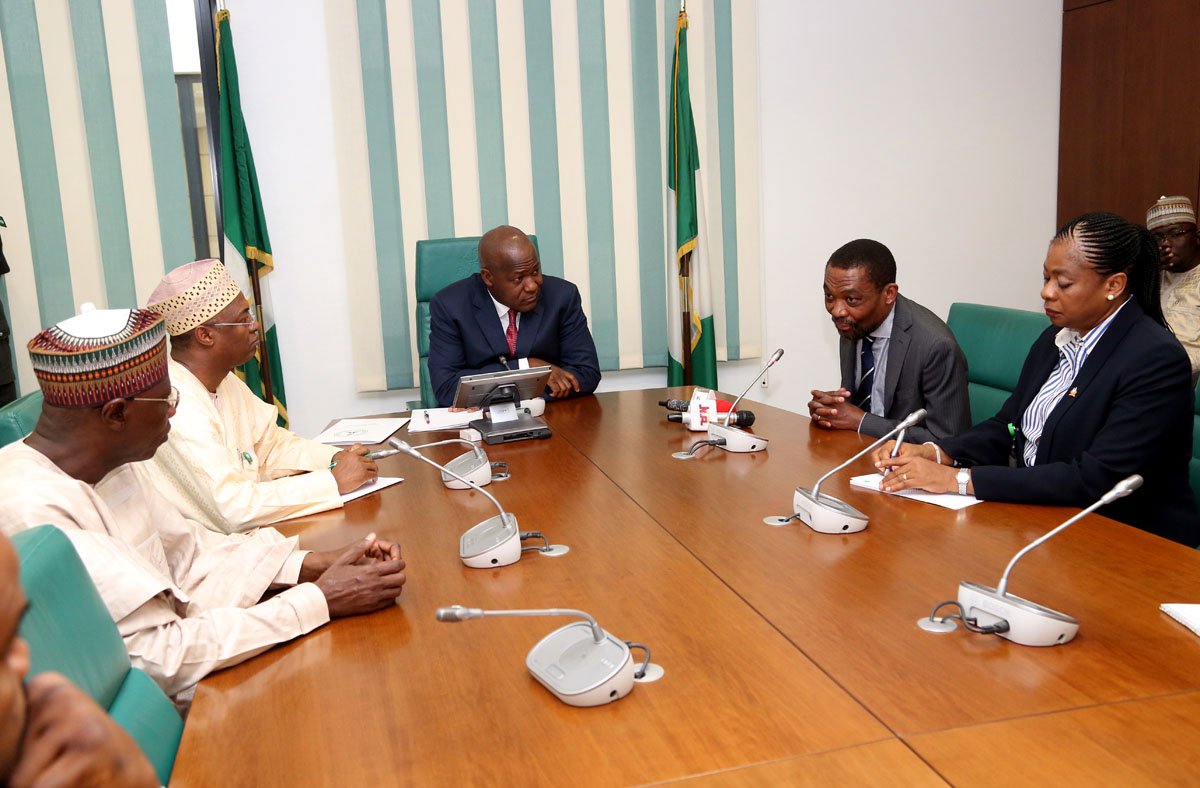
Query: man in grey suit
x,y
897,356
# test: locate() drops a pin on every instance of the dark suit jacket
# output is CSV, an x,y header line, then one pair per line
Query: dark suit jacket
x,y
1131,413
466,338
925,369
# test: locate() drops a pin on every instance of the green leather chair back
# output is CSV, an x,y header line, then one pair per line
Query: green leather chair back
x,y
70,631
995,341
440,262
18,418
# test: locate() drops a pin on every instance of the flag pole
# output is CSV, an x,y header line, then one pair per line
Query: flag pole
x,y
264,363
685,301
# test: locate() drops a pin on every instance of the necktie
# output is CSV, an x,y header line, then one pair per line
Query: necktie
x,y
511,333
862,394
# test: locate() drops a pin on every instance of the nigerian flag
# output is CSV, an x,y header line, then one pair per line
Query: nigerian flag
x,y
690,315
246,240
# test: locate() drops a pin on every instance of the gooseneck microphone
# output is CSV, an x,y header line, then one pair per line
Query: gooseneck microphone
x,y
995,611
1119,490
778,354
830,515
494,542
580,663
456,613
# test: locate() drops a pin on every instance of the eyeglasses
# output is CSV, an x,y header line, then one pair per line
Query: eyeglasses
x,y
249,322
171,399
1170,235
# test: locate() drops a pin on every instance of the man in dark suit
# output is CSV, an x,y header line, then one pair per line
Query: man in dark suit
x,y
510,316
897,356
8,380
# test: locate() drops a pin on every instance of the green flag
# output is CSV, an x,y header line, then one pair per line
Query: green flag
x,y
246,240
690,317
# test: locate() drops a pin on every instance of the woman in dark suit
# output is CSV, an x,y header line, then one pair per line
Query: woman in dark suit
x,y
1105,392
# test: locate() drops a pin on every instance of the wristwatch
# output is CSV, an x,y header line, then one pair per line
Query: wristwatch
x,y
963,478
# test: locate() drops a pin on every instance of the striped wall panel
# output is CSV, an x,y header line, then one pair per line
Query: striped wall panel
x,y
454,116
91,159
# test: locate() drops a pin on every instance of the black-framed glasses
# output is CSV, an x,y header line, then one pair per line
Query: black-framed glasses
x,y
1171,235
171,399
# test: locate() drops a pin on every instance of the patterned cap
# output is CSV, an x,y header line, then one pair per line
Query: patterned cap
x,y
1170,210
99,355
192,294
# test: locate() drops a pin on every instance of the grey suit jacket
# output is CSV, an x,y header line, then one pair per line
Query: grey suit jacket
x,y
925,369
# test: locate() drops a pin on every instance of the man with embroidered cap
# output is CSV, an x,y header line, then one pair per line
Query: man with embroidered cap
x,y
228,464
1172,222
186,600
510,316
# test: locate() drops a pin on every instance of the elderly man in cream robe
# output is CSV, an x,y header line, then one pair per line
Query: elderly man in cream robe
x,y
185,599
227,463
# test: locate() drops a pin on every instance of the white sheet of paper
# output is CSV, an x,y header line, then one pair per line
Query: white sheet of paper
x,y
346,432
433,419
375,486
945,500
1188,615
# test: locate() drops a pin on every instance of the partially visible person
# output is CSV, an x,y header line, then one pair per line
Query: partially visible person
x,y
1105,392
1172,223
510,316
51,732
186,600
8,377
227,463
897,356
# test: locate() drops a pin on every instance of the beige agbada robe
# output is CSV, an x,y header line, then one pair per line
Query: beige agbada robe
x,y
184,598
229,466
1181,308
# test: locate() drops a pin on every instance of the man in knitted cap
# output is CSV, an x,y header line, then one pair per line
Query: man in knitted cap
x,y
185,599
1172,222
228,464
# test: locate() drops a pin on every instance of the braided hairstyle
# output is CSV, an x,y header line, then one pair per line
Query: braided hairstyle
x,y
1112,245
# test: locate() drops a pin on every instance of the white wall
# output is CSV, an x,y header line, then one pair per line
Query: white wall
x,y
932,127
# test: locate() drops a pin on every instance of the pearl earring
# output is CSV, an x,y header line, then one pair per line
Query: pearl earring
x,y
1111,297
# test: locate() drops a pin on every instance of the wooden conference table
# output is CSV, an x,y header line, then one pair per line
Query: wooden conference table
x,y
790,656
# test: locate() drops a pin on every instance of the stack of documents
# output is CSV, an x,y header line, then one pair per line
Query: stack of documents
x,y
947,500
1188,615
346,432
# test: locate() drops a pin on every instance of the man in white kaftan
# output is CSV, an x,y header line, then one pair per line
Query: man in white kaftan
x,y
227,463
185,599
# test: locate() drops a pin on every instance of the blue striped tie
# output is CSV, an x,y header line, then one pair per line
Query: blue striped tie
x,y
862,394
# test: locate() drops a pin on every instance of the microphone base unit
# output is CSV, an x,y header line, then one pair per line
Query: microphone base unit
x,y
1029,623
826,514
522,427
469,466
494,542
737,440
578,670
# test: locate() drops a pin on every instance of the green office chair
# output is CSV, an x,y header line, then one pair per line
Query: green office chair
x,y
440,262
1194,463
70,631
18,418
995,341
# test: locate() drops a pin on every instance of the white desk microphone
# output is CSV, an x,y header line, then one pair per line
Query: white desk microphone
x,y
472,465
995,611
827,514
580,663
725,435
497,540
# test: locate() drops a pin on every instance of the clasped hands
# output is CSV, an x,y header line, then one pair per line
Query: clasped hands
x,y
361,578
832,410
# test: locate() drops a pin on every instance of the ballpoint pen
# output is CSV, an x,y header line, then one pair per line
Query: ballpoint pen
x,y
895,450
